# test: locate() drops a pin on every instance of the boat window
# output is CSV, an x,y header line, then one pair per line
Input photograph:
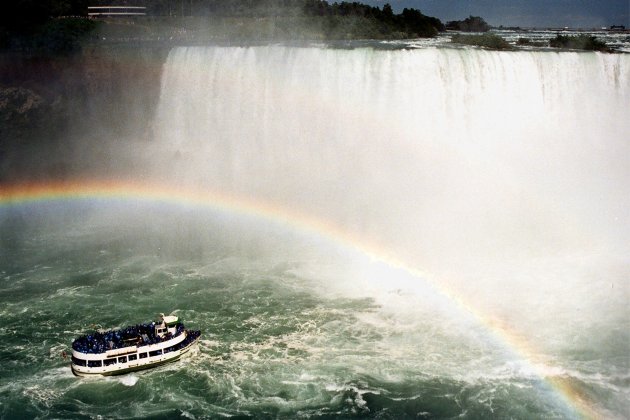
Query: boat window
x,y
143,355
78,362
133,357
109,362
122,359
94,363
155,353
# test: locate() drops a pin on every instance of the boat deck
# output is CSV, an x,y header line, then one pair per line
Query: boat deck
x,y
135,335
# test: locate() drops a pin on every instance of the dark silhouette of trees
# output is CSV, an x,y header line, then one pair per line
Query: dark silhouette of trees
x,y
387,10
486,40
470,24
26,24
578,42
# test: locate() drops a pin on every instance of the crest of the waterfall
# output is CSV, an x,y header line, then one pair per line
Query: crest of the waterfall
x,y
456,160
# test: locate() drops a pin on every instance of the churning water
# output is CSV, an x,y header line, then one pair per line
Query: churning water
x,y
474,260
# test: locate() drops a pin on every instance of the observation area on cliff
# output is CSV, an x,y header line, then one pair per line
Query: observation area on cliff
x,y
115,11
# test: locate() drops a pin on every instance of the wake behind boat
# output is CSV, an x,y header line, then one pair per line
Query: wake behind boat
x,y
136,347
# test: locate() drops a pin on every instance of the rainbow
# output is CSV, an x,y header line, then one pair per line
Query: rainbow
x,y
24,193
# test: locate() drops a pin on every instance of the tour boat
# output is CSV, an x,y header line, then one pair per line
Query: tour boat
x,y
142,346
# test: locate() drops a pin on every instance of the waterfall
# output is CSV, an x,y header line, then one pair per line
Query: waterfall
x,y
468,163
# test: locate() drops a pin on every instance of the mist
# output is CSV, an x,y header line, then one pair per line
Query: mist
x,y
458,186
502,176
482,180
486,171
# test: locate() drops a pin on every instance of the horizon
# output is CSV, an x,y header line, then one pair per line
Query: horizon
x,y
539,14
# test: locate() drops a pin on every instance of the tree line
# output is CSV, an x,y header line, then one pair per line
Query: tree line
x,y
470,24
29,24
23,14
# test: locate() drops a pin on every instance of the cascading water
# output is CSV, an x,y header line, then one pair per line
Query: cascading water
x,y
503,175
465,163
500,176
434,148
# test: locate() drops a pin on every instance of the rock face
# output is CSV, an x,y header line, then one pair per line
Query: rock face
x,y
53,107
20,109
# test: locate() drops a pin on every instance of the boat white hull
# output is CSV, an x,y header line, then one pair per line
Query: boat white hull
x,y
132,366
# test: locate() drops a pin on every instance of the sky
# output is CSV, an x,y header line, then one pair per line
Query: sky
x,y
524,13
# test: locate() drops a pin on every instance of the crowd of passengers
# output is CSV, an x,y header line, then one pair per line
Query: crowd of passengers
x,y
135,335
190,337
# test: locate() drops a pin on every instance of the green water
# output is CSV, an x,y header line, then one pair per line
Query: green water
x,y
284,331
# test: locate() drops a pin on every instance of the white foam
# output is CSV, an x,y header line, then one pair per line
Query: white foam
x,y
129,380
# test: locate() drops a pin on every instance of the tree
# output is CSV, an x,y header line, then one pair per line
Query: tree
x,y
470,24
387,10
